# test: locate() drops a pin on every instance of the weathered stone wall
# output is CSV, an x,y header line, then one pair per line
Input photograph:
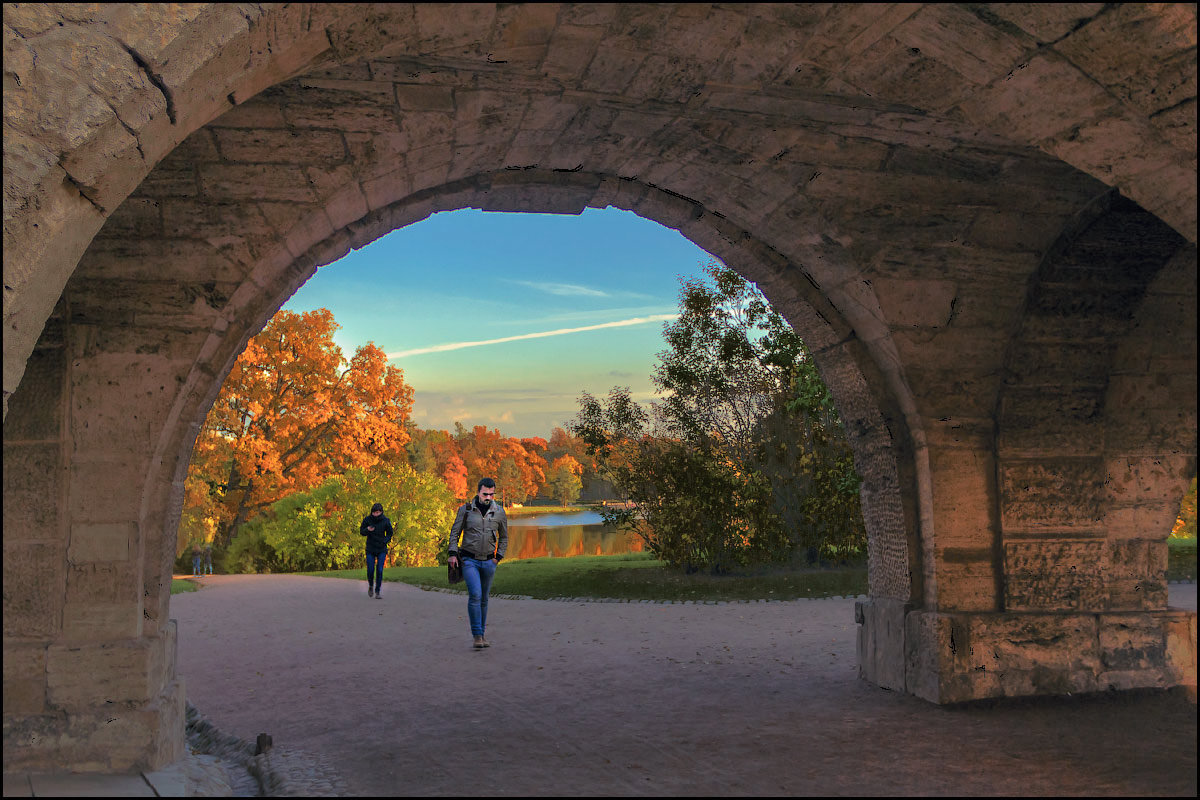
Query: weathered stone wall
x,y
933,195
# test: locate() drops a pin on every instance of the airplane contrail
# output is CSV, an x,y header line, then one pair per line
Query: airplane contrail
x,y
441,348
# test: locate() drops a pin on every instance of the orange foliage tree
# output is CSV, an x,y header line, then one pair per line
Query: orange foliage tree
x,y
293,412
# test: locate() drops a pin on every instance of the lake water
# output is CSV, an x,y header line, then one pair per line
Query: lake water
x,y
564,535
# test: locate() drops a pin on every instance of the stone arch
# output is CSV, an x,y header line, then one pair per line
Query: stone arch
x,y
166,72
838,355
914,164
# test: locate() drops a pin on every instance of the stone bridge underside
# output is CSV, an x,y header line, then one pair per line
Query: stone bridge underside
x,y
981,218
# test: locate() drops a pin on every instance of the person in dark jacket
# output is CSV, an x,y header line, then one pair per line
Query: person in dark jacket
x,y
483,527
378,530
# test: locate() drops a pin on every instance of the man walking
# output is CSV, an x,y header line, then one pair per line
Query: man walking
x,y
483,527
378,530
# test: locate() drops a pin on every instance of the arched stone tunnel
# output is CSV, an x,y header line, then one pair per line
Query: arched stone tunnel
x,y
981,218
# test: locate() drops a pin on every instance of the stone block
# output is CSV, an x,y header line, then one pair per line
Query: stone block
x,y
1051,420
423,97
34,582
115,738
273,146
106,491
1062,643
1148,479
1179,656
24,678
341,116
383,191
1124,680
186,218
1051,494
916,303
570,51
1135,593
963,485
1054,575
952,36
254,113
926,637
32,478
137,217
881,642
668,210
348,205
102,542
1046,22
1102,48
35,409
127,273
234,182
1114,149
446,27
102,602
1057,364
171,179
1140,520
1004,105
1132,642
106,674
967,586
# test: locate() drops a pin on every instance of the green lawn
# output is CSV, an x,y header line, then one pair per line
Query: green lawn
x,y
637,576
179,586
1181,559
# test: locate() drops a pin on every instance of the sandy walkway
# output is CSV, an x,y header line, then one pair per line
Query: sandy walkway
x,y
619,699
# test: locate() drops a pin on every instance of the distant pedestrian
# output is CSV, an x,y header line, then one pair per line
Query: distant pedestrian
x,y
208,557
378,530
483,527
196,558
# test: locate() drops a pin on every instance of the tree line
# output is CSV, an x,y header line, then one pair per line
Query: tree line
x,y
741,461
301,439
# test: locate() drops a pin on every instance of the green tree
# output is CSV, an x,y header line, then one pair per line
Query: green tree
x,y
319,529
744,417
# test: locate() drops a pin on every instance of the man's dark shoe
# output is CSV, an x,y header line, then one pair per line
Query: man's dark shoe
x,y
370,592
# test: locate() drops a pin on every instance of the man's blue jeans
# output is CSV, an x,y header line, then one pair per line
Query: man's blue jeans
x,y
375,563
195,565
478,576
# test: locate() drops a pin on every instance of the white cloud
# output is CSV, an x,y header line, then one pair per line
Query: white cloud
x,y
563,289
441,348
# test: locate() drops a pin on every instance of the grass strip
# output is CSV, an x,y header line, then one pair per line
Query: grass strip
x,y
533,511
1181,559
637,576
180,586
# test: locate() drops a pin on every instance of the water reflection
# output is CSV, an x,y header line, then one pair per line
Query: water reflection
x,y
565,535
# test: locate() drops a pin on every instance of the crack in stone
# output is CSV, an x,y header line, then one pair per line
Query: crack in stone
x,y
82,193
155,79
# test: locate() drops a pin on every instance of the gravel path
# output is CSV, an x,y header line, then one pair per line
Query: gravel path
x,y
632,699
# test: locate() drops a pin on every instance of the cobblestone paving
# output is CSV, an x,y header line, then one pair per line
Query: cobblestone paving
x,y
581,698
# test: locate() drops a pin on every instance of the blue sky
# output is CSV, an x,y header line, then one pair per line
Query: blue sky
x,y
430,293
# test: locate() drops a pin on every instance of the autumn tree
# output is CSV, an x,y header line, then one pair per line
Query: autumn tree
x,y
292,412
564,480
437,453
517,464
592,483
